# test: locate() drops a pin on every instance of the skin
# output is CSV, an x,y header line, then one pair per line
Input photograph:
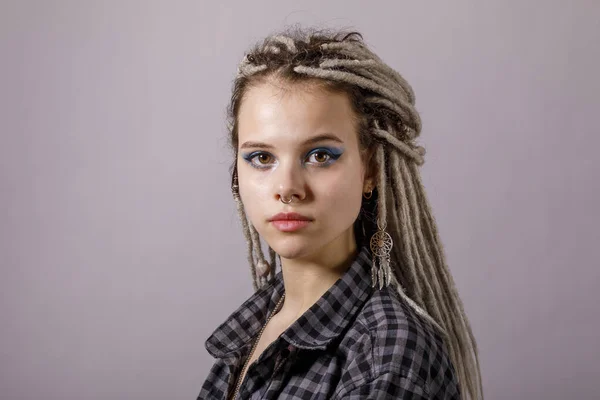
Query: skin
x,y
326,189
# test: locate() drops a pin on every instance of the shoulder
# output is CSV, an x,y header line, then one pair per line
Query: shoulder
x,y
400,338
398,351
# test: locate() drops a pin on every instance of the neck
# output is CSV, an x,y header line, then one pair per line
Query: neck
x,y
307,279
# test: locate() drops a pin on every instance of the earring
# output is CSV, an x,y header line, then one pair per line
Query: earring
x,y
381,246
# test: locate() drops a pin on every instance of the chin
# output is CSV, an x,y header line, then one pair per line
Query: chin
x,y
293,246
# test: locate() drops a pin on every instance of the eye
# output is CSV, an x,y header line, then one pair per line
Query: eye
x,y
263,157
325,156
321,157
258,159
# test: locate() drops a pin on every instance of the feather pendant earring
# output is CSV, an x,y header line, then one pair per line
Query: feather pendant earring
x,y
381,247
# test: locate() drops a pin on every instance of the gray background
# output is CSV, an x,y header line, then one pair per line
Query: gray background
x,y
120,247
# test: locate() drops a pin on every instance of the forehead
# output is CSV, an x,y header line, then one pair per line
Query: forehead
x,y
275,111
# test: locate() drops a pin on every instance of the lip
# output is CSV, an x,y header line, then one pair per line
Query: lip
x,y
290,225
289,217
290,222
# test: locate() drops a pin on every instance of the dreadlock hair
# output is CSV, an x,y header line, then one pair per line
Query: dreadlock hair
x,y
387,124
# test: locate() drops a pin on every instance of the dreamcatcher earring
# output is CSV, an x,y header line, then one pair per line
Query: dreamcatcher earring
x,y
381,247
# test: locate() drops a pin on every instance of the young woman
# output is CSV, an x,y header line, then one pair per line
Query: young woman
x,y
363,305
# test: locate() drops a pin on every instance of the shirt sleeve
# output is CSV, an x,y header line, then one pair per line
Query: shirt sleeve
x,y
387,386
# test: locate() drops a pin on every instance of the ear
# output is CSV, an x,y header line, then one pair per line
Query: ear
x,y
371,170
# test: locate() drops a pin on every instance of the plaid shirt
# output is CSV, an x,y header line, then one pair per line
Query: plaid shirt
x,y
354,343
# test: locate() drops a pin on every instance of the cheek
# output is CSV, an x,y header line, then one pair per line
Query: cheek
x,y
254,191
342,196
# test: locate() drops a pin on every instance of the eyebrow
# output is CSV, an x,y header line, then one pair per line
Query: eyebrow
x,y
314,139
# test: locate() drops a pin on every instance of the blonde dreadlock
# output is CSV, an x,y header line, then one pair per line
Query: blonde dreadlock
x,y
389,124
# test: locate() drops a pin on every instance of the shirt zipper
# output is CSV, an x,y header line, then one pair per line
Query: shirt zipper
x,y
279,363
244,370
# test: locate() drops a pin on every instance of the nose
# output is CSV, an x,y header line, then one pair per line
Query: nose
x,y
289,181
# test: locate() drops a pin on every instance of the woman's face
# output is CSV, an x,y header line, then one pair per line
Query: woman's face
x,y
277,158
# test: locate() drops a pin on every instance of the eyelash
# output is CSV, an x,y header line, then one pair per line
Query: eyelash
x,y
333,156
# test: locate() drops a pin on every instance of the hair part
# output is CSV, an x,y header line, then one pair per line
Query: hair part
x,y
388,125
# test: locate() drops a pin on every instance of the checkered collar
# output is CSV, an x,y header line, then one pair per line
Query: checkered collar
x,y
319,325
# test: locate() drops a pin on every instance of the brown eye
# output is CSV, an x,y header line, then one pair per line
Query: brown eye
x,y
320,157
261,157
323,158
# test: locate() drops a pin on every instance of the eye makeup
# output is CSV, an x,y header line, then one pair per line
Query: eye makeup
x,y
333,154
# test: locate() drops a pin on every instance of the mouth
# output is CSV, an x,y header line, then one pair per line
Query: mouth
x,y
290,222
289,217
290,225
